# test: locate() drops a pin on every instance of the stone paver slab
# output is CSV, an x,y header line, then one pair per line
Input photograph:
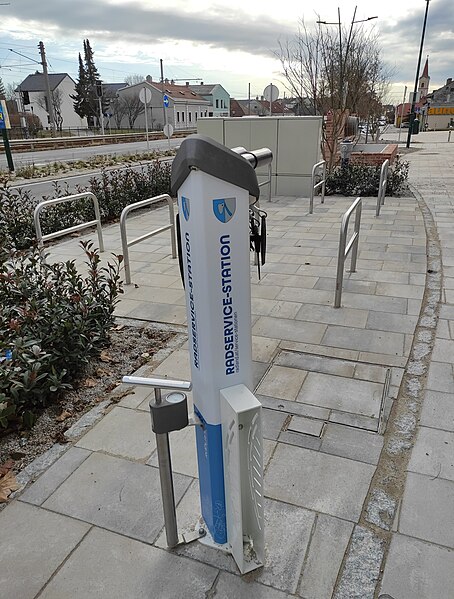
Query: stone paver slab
x,y
318,481
33,544
341,393
306,426
113,434
287,534
415,569
349,442
315,363
438,410
365,340
325,314
282,383
397,323
116,494
278,328
109,566
443,351
433,453
229,585
427,509
328,544
440,377
46,484
263,348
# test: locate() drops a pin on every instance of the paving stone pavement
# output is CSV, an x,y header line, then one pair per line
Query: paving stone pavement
x,y
91,524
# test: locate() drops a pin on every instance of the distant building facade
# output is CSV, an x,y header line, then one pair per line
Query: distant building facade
x,y
31,97
184,105
439,110
218,97
258,107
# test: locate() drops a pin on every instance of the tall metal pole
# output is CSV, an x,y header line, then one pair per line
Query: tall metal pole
x,y
101,116
413,100
50,106
164,109
249,99
341,82
402,113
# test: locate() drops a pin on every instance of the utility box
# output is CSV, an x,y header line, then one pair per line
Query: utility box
x,y
294,141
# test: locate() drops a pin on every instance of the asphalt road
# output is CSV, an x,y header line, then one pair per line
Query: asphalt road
x,y
40,188
68,154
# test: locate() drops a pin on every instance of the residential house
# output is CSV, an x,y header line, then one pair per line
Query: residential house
x,y
258,107
218,97
31,97
184,105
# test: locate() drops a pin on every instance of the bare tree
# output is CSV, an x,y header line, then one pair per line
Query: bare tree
x,y
57,101
134,79
335,73
118,107
133,107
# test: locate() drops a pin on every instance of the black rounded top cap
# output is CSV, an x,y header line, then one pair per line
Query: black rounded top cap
x,y
203,153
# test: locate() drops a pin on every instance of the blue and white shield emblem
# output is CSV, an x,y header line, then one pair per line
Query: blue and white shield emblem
x,y
185,208
224,209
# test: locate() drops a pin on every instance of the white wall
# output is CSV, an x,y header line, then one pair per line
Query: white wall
x,y
70,118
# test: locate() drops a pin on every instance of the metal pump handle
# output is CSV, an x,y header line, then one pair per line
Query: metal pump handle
x,y
256,158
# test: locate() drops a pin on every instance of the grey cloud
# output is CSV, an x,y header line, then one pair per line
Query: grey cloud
x,y
228,29
401,41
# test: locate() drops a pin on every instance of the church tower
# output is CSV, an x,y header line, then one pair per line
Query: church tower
x,y
424,80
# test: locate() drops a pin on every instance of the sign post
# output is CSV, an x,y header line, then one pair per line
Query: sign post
x,y
4,125
168,129
214,185
145,98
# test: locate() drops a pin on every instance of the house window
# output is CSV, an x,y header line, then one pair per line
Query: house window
x,y
178,116
182,117
207,113
190,117
217,103
210,114
195,117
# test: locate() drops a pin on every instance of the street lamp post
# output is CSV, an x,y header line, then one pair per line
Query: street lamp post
x,y
413,100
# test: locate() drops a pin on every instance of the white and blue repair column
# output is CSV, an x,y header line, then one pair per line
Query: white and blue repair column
x,y
214,185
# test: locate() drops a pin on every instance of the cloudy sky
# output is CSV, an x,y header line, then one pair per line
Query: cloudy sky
x,y
232,42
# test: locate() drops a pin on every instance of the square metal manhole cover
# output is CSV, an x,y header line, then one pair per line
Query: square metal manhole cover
x,y
351,393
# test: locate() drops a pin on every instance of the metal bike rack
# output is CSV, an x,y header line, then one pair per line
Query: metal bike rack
x,y
42,205
344,247
315,186
167,414
382,186
257,158
127,244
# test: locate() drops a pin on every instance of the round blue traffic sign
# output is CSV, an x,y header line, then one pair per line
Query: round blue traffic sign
x,y
166,100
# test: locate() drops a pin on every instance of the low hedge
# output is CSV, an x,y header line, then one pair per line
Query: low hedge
x,y
363,180
115,189
52,321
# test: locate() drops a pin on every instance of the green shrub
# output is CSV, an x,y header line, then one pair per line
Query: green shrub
x,y
363,180
16,218
114,189
53,320
117,188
